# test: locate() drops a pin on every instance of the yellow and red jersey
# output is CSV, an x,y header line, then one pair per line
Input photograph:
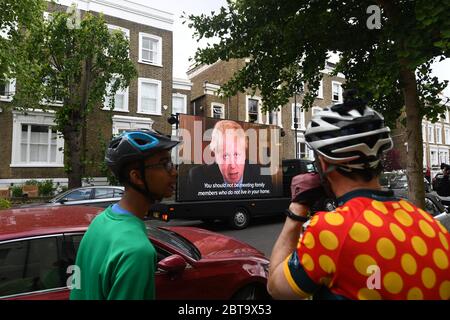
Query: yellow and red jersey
x,y
372,247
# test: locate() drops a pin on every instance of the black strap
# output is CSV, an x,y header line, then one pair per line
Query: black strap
x,y
295,217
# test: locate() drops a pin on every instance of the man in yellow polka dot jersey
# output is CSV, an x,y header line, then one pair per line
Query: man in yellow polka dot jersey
x,y
373,246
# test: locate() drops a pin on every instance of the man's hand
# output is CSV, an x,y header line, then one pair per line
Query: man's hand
x,y
306,189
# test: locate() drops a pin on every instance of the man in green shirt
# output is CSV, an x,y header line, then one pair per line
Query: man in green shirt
x,y
115,258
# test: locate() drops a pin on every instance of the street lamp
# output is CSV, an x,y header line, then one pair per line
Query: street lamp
x,y
295,121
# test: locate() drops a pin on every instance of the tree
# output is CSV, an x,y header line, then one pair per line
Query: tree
x,y
77,62
386,48
26,13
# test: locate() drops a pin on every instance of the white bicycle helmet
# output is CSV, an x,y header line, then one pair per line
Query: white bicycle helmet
x,y
350,136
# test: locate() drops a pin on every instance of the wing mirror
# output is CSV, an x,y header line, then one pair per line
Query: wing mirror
x,y
172,264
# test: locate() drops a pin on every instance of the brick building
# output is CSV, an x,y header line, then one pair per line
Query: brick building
x,y
30,147
207,80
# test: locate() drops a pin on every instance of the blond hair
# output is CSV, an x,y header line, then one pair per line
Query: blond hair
x,y
225,127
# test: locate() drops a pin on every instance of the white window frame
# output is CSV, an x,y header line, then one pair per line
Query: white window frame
x,y
438,134
314,109
430,133
279,120
184,97
260,117
158,98
217,104
11,86
320,90
447,134
158,61
125,123
124,30
301,117
425,163
424,132
126,96
434,163
34,118
340,99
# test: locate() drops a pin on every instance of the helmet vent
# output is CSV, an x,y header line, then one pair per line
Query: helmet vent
x,y
141,142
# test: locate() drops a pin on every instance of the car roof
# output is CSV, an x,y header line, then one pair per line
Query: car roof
x,y
38,221
95,187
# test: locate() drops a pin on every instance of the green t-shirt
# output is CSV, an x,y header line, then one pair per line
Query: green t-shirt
x,y
116,260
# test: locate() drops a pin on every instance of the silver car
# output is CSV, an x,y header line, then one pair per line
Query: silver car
x,y
98,196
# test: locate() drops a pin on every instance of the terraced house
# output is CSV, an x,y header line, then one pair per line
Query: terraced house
x,y
207,80
30,146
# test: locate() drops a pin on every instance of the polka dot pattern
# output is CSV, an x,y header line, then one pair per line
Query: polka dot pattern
x,y
397,232
393,282
309,241
378,205
419,246
415,294
334,218
409,264
386,248
426,229
428,278
363,262
373,250
403,217
359,232
444,290
443,240
368,294
328,240
327,264
372,218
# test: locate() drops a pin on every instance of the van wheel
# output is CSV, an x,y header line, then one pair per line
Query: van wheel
x,y
240,219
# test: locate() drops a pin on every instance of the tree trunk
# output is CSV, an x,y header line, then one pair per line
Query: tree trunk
x,y
416,188
73,156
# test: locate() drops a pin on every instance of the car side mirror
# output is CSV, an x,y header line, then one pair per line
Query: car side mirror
x,y
172,264
62,201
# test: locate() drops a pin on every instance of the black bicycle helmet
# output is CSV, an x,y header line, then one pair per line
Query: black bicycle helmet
x,y
135,145
350,136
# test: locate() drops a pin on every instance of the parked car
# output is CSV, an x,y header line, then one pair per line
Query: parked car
x,y
37,246
98,196
399,184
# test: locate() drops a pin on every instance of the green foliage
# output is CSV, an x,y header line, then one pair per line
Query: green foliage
x,y
46,188
16,191
58,62
32,182
288,41
13,13
5,204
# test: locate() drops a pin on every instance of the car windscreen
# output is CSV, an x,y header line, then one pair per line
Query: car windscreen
x,y
175,240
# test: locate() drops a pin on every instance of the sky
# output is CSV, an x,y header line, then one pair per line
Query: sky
x,y
184,46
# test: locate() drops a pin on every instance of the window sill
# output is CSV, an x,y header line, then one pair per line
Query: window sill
x,y
150,63
149,114
5,99
123,111
43,165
